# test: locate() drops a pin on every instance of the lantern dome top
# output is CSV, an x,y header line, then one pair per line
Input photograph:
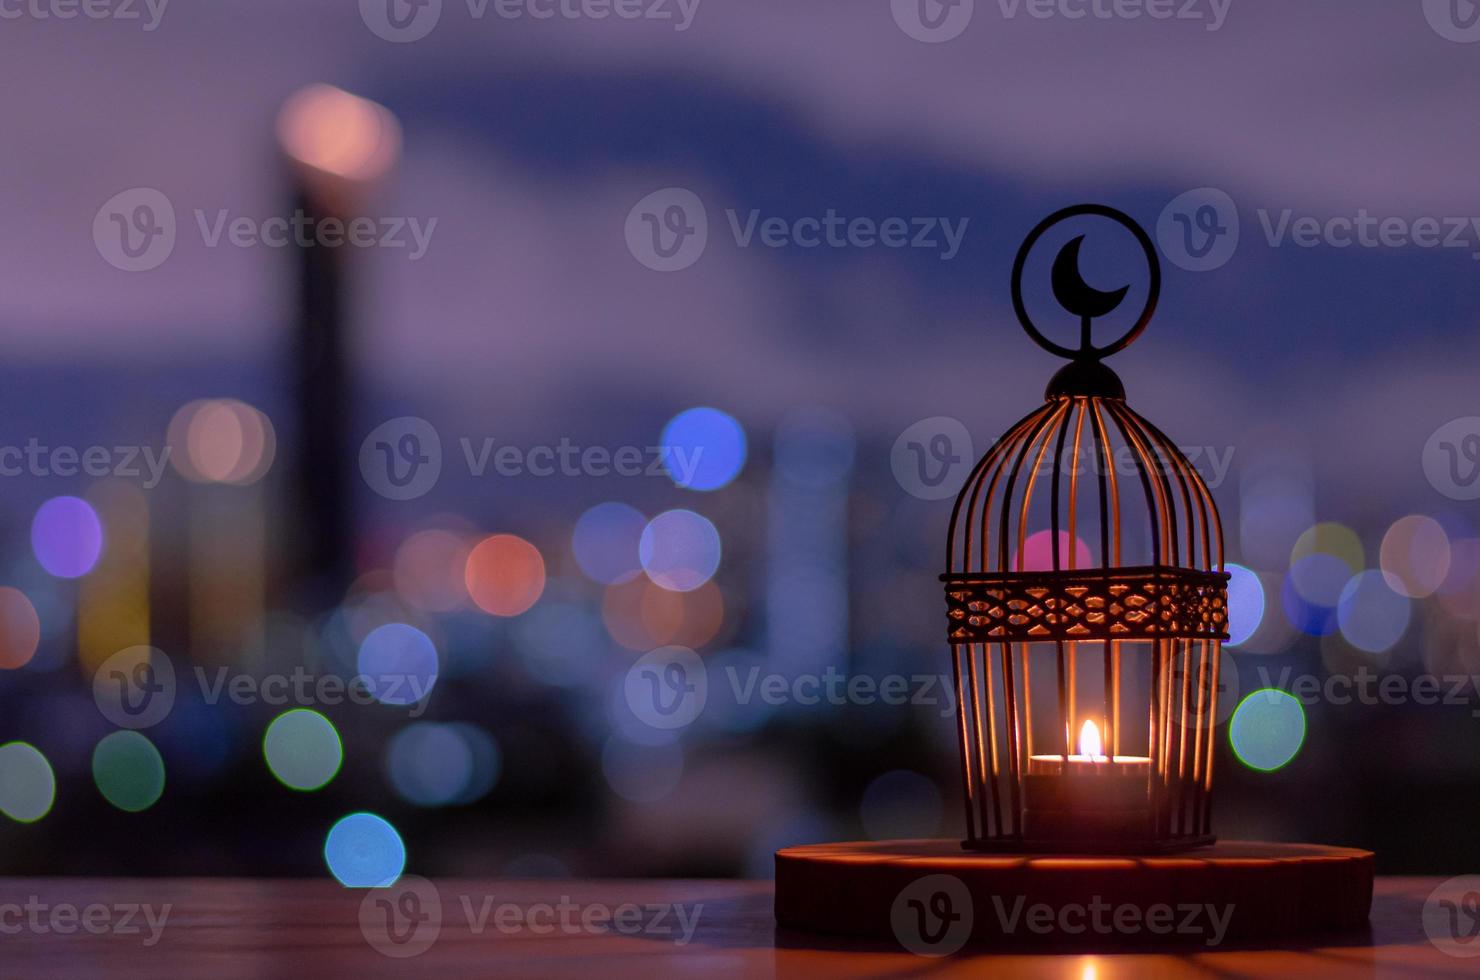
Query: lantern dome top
x,y
1085,498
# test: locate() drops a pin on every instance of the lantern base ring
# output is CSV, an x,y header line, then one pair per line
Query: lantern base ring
x,y
931,897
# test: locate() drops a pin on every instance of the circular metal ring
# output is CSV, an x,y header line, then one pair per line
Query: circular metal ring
x,y
1153,293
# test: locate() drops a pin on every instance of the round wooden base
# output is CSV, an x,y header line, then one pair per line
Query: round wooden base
x,y
931,896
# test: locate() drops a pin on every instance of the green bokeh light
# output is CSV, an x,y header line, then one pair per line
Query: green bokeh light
x,y
128,771
302,749
27,784
1267,729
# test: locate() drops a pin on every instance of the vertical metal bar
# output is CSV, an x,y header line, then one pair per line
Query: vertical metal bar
x,y
967,783
987,789
1217,656
991,723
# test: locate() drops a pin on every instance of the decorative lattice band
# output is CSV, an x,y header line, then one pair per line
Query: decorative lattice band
x,y
1147,603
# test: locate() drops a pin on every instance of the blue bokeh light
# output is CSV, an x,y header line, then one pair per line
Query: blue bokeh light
x,y
704,448
605,542
399,663
364,851
1245,604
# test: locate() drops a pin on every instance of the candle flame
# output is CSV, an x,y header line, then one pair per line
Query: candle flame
x,y
1089,741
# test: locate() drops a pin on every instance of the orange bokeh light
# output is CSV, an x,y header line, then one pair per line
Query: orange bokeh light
x,y
505,574
20,629
640,615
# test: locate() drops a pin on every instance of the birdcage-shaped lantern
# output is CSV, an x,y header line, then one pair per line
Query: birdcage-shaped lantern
x,y
1087,607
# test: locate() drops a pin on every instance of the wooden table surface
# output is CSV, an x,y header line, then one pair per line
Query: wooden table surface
x,y
79,927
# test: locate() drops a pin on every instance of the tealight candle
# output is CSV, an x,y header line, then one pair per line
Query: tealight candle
x,y
1088,797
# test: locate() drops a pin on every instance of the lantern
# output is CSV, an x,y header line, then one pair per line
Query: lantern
x,y
1087,605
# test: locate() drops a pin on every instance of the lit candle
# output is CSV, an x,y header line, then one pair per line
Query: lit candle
x,y
1090,758
1088,798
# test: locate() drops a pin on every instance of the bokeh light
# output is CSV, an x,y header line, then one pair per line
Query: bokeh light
x,y
1324,558
1037,553
1245,603
1267,729
1372,616
505,575
1315,618
27,785
399,663
128,771
679,550
605,542
221,440
1415,556
429,570
429,764
641,615
704,448
67,537
339,133
363,850
20,629
302,749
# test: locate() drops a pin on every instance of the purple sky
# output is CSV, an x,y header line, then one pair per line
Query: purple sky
x,y
528,302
